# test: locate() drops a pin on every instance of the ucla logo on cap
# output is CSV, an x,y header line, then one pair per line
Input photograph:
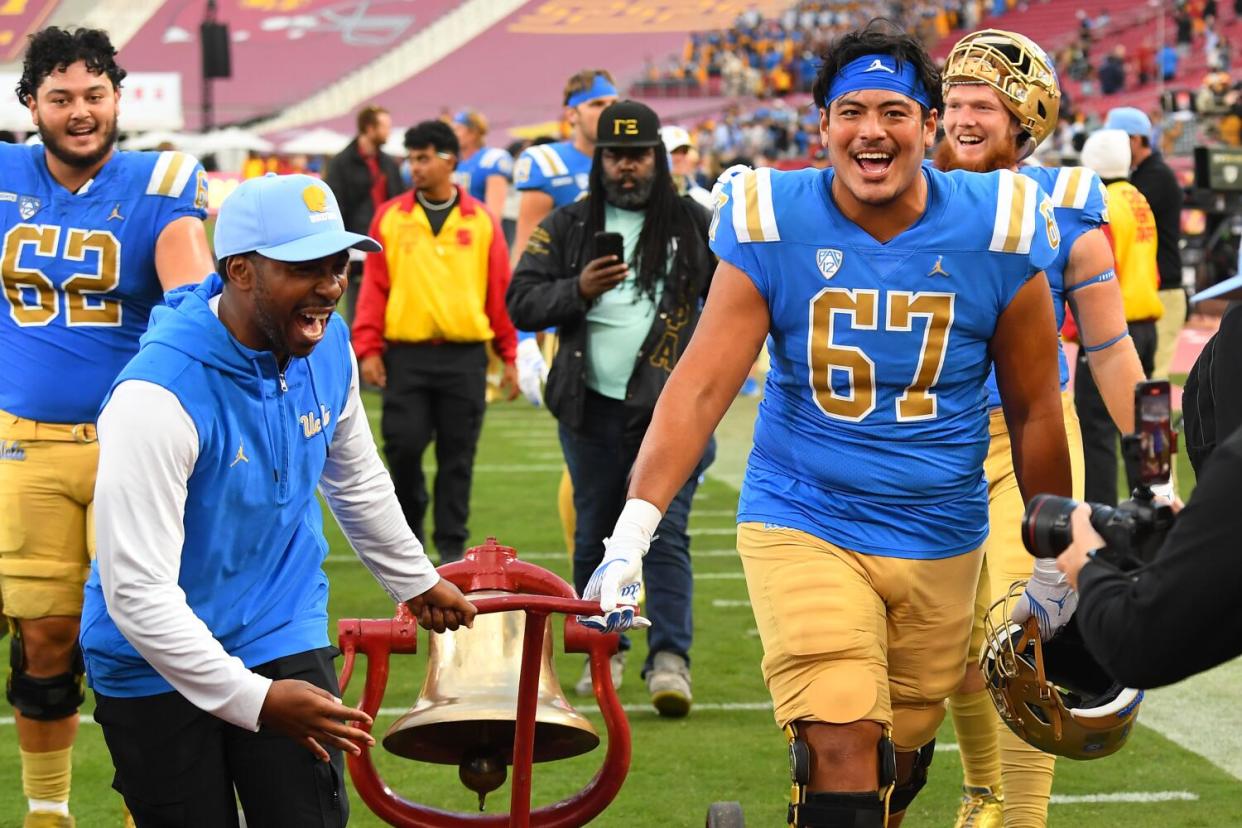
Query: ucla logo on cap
x,y
829,261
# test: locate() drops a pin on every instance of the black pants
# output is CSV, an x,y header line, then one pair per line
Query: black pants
x,y
1099,434
435,392
177,766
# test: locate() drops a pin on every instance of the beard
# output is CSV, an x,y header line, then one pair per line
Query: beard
x,y
63,154
1000,157
629,199
265,318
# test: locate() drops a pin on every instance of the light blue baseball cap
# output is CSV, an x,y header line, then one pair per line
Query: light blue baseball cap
x,y
1130,120
289,218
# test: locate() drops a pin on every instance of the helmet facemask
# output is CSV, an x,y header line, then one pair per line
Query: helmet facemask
x,y
1054,695
1019,72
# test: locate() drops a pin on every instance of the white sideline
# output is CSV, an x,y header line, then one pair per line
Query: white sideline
x,y
1135,796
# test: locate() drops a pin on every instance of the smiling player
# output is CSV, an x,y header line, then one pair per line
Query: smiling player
x,y
888,290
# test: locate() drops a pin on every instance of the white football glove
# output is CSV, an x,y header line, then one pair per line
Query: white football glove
x,y
618,578
1048,597
532,371
725,177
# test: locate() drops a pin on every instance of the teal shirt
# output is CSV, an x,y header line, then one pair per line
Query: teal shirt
x,y
619,321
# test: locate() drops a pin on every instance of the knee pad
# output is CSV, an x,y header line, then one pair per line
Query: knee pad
x,y
904,793
867,809
44,699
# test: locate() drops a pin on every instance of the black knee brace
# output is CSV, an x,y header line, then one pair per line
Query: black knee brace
x,y
44,699
866,809
904,793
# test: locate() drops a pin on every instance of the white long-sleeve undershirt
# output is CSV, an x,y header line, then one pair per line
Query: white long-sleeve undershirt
x,y
148,450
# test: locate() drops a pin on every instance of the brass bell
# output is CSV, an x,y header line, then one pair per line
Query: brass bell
x,y
466,712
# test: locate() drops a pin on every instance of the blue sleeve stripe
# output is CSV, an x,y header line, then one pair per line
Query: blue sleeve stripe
x,y
1096,279
1091,349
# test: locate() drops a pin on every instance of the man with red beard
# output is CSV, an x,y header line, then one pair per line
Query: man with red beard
x,y
1001,100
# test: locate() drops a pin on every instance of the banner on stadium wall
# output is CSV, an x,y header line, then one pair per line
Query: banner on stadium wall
x,y
149,100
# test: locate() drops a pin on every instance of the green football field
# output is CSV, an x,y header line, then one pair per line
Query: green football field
x,y
729,747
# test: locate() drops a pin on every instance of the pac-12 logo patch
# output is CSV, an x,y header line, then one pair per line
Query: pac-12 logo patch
x,y
828,259
27,206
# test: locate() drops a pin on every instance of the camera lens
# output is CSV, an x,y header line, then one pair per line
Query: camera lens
x,y
1046,525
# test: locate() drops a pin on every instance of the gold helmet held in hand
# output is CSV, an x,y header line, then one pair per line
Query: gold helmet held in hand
x,y
1020,72
1053,694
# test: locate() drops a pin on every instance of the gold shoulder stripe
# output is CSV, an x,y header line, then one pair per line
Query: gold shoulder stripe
x,y
1073,181
172,171
1017,201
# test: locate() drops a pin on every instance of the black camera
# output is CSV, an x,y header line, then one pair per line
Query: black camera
x,y
1135,529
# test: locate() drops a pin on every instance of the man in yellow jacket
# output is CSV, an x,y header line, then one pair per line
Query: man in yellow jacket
x,y
428,306
1132,233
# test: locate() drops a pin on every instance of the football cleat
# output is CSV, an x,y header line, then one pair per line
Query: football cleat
x,y
980,808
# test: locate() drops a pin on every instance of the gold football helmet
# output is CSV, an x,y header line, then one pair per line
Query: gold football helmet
x,y
1020,72
1053,694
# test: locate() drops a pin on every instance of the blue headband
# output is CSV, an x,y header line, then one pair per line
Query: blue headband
x,y
879,72
601,88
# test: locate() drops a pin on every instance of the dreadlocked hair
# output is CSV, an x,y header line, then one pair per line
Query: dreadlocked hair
x,y
53,50
667,216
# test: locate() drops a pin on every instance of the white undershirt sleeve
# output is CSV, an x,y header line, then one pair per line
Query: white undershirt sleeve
x,y
148,446
359,491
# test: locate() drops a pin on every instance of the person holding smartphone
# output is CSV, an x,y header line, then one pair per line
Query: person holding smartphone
x,y
621,274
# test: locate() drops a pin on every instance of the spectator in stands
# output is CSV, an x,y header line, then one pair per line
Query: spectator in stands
x,y
362,177
623,326
1132,232
429,305
1113,71
553,175
1152,177
1168,60
482,171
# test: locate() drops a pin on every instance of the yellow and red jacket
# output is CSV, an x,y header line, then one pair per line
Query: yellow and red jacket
x,y
1132,232
444,287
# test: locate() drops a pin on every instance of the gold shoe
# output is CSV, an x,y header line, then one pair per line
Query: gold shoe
x,y
980,808
47,819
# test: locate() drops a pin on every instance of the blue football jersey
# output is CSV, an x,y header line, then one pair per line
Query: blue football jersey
x,y
1080,203
79,273
472,173
873,427
559,170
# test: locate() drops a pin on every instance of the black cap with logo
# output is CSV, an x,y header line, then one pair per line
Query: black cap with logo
x,y
628,124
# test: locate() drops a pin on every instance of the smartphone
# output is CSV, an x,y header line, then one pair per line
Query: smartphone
x,y
1153,410
609,244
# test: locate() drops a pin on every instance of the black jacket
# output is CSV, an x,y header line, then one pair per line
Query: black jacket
x,y
350,180
1179,615
1159,186
1212,401
544,294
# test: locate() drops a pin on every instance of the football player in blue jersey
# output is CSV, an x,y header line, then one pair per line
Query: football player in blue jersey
x,y
484,171
886,290
553,175
92,238
1001,101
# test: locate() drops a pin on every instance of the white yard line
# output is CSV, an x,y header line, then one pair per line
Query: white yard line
x,y
1127,797
1202,715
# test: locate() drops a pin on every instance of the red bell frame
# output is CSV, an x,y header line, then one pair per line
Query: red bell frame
x,y
538,593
